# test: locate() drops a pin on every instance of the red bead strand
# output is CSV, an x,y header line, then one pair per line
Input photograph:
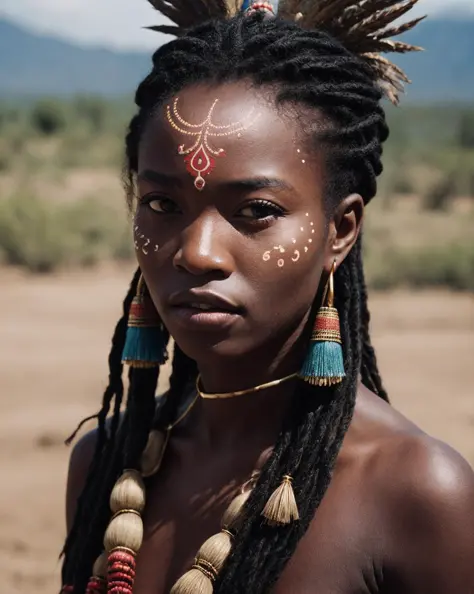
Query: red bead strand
x,y
120,572
96,586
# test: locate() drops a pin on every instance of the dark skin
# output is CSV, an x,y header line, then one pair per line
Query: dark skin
x,y
398,516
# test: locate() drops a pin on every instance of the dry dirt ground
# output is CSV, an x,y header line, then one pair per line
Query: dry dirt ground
x,y
55,333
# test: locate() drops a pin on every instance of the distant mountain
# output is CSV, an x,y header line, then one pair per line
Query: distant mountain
x,y
38,65
444,71
35,65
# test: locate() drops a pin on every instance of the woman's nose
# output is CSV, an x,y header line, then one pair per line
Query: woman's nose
x,y
203,247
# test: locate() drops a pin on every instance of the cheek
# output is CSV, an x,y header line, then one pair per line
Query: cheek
x,y
287,270
145,237
299,247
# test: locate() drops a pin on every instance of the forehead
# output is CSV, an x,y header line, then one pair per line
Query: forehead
x,y
241,130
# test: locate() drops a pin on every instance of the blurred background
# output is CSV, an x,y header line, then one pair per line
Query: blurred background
x,y
67,75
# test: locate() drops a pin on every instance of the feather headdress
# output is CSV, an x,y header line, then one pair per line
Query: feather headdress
x,y
364,27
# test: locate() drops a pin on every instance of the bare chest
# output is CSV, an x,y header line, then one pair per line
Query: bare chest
x,y
336,556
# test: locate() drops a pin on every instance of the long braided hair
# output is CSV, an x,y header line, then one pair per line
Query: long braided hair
x,y
345,80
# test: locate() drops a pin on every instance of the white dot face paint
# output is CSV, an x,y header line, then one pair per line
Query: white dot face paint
x,y
295,254
143,243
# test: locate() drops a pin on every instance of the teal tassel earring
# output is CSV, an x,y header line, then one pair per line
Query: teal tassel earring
x,y
324,364
145,344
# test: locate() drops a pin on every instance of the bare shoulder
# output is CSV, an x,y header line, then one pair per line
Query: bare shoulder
x,y
426,495
79,462
420,461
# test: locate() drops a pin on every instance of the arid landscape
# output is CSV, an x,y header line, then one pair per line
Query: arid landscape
x,y
55,335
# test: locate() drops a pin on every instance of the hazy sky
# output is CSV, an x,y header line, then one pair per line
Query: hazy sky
x,y
118,23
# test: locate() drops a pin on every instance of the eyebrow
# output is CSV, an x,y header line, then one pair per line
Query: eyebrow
x,y
258,183
163,179
248,184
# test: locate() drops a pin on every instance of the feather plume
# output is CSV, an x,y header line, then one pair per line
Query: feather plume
x,y
364,27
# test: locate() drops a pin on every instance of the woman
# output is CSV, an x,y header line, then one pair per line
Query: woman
x,y
280,467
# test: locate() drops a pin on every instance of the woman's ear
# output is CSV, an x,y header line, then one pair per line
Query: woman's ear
x,y
344,229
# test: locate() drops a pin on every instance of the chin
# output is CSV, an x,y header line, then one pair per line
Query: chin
x,y
202,346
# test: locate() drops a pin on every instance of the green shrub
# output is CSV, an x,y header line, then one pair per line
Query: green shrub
x,y
93,111
450,266
42,236
48,117
403,185
439,195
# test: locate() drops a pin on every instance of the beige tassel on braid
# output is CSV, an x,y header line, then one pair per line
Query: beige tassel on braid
x,y
362,26
281,508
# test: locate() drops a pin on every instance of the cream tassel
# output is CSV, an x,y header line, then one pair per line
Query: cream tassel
x,y
281,508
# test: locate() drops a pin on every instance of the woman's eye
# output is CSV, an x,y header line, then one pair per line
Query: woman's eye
x,y
260,209
161,204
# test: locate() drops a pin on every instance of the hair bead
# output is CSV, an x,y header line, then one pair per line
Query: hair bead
x,y
128,492
100,566
232,514
121,566
125,530
215,550
96,586
194,581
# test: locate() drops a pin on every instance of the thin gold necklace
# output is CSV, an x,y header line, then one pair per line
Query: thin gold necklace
x,y
222,395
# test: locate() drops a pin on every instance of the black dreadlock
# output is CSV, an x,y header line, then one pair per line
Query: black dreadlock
x,y
307,68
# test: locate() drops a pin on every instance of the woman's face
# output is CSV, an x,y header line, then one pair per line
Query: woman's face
x,y
230,229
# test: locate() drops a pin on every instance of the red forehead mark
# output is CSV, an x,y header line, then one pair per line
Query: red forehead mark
x,y
199,157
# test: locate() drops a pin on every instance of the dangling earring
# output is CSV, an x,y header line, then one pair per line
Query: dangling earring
x,y
324,363
145,343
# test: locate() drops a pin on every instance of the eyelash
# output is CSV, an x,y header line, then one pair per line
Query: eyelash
x,y
276,211
149,198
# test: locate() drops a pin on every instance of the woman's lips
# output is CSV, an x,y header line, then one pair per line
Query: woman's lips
x,y
200,309
203,319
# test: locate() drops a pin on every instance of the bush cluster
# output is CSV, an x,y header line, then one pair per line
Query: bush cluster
x,y
43,236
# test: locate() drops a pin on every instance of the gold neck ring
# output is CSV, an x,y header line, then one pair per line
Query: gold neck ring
x,y
223,395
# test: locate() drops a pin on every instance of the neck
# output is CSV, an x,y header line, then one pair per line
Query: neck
x,y
253,418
